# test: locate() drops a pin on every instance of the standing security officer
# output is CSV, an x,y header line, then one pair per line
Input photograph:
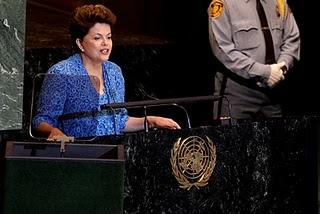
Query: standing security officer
x,y
256,44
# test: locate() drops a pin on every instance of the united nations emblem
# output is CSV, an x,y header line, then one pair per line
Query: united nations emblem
x,y
193,160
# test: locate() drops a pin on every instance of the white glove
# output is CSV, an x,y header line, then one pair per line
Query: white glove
x,y
276,74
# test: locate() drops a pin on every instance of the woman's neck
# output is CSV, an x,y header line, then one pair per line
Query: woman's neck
x,y
93,68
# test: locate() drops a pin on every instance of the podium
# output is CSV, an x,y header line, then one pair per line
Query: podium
x,y
87,179
267,166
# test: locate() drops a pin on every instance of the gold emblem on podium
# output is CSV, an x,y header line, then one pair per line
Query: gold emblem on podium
x,y
193,160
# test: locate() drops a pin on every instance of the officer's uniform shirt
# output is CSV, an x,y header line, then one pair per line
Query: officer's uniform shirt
x,y
237,41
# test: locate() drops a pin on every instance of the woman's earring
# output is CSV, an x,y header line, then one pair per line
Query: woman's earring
x,y
79,45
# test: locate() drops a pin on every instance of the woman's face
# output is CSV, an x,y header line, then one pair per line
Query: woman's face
x,y
97,44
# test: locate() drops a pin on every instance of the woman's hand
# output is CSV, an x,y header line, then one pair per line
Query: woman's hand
x,y
53,133
162,122
56,134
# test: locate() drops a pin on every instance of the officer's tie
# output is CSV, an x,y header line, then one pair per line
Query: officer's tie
x,y
270,58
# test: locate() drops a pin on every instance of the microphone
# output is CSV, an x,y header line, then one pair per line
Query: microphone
x,y
144,93
161,102
135,104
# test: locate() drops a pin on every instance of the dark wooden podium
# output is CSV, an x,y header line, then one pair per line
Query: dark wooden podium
x,y
260,167
87,179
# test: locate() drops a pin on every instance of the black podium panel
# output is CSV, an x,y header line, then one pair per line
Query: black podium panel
x,y
263,167
85,180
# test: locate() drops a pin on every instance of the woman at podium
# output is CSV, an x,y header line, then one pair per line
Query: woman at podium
x,y
86,80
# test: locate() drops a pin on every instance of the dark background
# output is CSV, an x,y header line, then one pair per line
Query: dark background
x,y
162,47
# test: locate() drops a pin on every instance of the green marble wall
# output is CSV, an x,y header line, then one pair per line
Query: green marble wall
x,y
12,42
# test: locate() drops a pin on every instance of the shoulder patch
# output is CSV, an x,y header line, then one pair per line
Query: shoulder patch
x,y
216,8
281,8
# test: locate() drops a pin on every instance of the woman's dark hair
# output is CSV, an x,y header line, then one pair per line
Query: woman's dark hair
x,y
84,17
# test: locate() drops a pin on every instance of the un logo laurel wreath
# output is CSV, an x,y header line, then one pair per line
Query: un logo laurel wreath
x,y
193,160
